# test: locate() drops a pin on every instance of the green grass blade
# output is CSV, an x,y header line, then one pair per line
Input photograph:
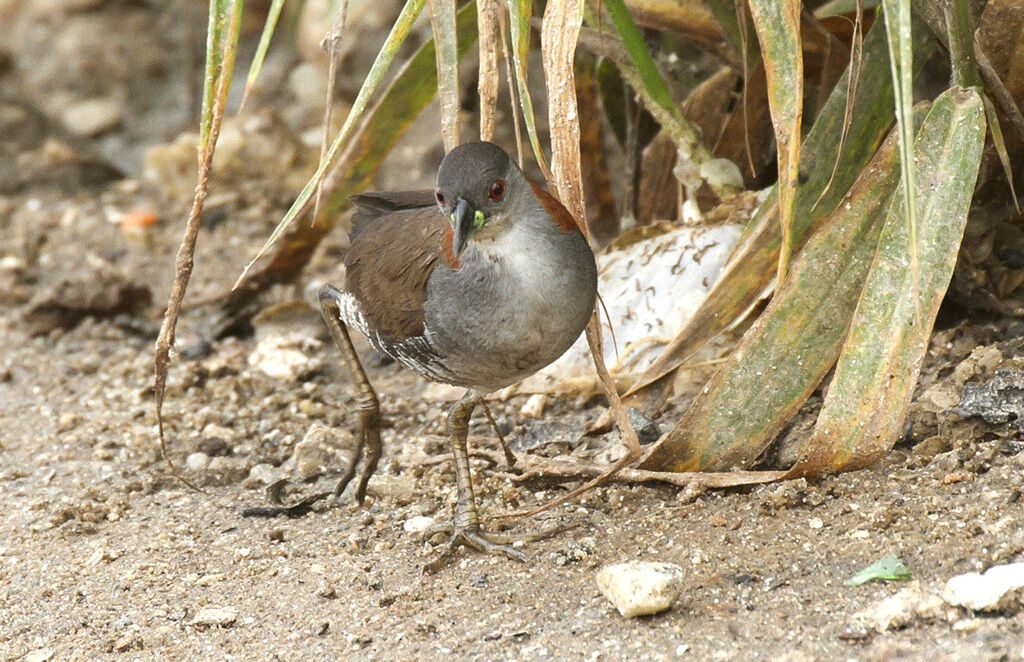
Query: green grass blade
x,y
442,21
840,7
387,54
899,32
874,380
519,27
261,49
778,28
961,45
639,70
221,46
670,117
392,114
638,53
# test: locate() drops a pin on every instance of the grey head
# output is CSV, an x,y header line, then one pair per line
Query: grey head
x,y
480,190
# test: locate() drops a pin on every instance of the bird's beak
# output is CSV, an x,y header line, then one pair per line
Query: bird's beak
x,y
464,221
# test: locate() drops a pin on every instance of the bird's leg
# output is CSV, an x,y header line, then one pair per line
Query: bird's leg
x,y
369,406
465,526
368,450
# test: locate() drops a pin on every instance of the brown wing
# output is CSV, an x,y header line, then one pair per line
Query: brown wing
x,y
390,258
371,206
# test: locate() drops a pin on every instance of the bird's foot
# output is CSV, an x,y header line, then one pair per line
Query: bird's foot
x,y
470,536
275,494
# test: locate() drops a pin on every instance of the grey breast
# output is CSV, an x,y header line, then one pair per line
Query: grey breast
x,y
514,305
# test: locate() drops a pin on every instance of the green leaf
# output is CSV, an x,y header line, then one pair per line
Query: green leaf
x,y
795,341
221,47
888,569
630,55
381,64
778,28
868,398
519,26
901,62
405,97
261,49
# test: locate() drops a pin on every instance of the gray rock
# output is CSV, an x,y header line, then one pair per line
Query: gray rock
x,y
999,400
287,357
647,431
415,526
227,470
638,588
891,613
316,453
264,474
399,489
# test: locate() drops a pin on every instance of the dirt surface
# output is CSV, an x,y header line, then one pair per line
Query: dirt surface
x,y
104,554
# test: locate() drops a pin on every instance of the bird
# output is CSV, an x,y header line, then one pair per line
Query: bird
x,y
478,283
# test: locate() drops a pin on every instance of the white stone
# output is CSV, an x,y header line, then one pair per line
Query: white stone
x,y
534,407
285,357
216,616
999,588
417,525
219,431
93,116
312,456
638,588
265,473
197,461
893,612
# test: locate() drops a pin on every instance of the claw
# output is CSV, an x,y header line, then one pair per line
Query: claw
x,y
482,541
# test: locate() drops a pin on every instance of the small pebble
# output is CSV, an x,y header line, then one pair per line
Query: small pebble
x,y
213,446
93,117
647,431
265,474
638,588
216,617
197,461
534,407
326,590
417,525
313,455
891,613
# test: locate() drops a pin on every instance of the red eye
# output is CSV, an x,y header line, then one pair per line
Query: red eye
x,y
497,191
439,197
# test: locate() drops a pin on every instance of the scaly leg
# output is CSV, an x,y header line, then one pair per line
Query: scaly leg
x,y
369,406
465,526
367,451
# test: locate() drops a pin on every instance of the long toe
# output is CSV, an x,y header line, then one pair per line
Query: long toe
x,y
490,544
482,541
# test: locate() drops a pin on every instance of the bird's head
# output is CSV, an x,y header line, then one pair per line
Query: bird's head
x,y
479,189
